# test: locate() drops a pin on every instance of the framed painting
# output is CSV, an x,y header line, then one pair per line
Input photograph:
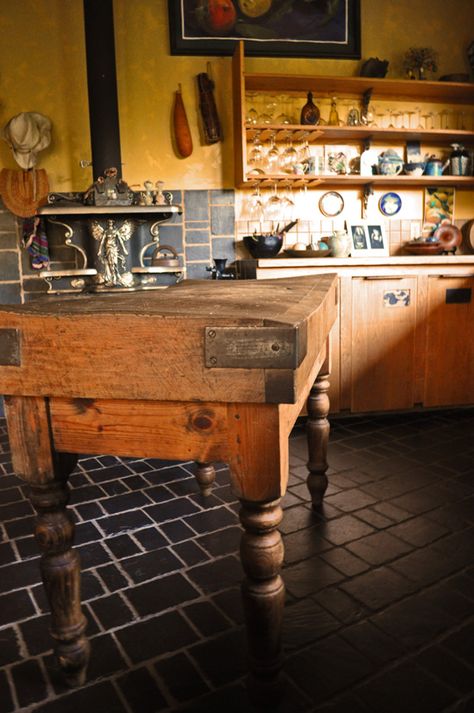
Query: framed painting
x,y
269,28
368,239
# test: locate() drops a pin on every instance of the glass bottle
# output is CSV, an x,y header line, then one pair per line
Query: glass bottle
x,y
333,115
310,113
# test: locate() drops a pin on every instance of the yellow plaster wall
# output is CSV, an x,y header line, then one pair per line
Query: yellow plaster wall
x,y
42,68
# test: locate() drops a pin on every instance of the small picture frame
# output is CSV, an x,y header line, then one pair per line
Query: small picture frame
x,y
368,238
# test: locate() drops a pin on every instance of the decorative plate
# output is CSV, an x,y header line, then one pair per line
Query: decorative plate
x,y
390,203
307,253
331,204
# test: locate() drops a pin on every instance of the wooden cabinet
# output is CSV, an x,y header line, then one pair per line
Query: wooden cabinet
x,y
404,337
449,373
360,90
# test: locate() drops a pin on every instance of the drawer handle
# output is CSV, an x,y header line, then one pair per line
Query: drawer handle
x,y
451,277
386,277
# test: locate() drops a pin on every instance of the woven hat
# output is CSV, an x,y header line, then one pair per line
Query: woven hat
x,y
26,134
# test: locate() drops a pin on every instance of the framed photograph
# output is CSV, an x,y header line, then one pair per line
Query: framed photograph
x,y
269,28
368,239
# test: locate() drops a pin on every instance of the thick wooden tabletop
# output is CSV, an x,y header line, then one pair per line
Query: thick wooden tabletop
x,y
246,341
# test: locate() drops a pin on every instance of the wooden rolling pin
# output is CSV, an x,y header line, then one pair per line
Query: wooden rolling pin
x,y
182,132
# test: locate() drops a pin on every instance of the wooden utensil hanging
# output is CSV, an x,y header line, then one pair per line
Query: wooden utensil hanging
x,y
207,105
182,132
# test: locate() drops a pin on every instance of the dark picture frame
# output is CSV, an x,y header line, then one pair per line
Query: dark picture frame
x,y
291,28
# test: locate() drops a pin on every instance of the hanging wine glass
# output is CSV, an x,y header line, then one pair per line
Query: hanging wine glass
x,y
273,157
272,210
251,116
254,205
256,155
289,157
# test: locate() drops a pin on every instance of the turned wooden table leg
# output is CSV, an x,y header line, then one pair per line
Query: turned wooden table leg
x,y
46,472
205,476
317,429
263,593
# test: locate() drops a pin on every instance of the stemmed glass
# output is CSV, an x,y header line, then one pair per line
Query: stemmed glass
x,y
273,207
251,117
255,205
289,157
255,156
273,157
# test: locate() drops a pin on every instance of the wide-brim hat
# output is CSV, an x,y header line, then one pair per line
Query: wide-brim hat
x,y
27,134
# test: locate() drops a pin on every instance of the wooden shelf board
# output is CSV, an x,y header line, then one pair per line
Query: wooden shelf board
x,y
299,132
357,180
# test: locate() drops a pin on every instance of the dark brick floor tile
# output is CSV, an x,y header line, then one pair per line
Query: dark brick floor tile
x,y
142,692
211,520
379,548
421,501
89,463
20,528
349,702
449,596
123,545
222,659
122,503
461,643
29,682
115,487
135,482
378,588
175,508
13,511
105,658
153,597
297,518
112,473
19,575
86,493
419,531
112,577
305,622
206,618
186,486
376,519
181,677
190,553
177,531
36,632
344,561
225,493
304,543
78,479
216,575
464,583
454,516
310,576
89,511
165,475
223,542
6,700
413,621
90,588
99,697
231,604
125,522
346,609
139,466
350,500
151,538
27,547
150,565
10,495
425,566
146,639
406,688
345,529
447,668
92,554
9,646
86,532
159,493
327,667
460,545
372,642
111,611
394,513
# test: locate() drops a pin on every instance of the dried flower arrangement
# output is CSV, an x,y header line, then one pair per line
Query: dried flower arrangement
x,y
419,60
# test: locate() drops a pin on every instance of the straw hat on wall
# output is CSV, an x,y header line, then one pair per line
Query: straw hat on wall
x,y
27,134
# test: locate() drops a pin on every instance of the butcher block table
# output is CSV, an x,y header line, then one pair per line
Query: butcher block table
x,y
205,371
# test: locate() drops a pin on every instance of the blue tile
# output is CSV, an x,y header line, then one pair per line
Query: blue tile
x,y
223,197
172,235
223,247
9,265
196,205
197,271
198,252
222,220
10,294
197,224
197,236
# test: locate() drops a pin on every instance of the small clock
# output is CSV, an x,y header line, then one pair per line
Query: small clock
x,y
331,204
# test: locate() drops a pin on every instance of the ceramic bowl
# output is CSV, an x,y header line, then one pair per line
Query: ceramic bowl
x,y
265,245
414,169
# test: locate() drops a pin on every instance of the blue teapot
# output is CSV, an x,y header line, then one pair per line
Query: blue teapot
x,y
390,163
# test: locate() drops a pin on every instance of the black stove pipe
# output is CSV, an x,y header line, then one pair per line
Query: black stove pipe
x,y
102,86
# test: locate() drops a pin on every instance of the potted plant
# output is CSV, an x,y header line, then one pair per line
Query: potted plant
x,y
419,60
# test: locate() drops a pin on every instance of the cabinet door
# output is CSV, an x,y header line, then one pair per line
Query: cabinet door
x,y
449,376
383,343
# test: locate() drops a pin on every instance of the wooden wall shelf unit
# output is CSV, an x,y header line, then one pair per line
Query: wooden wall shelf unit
x,y
444,93
404,336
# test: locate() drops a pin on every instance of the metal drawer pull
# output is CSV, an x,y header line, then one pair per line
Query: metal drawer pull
x,y
386,277
451,277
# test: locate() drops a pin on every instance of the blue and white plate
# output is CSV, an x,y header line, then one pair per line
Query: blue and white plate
x,y
390,204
